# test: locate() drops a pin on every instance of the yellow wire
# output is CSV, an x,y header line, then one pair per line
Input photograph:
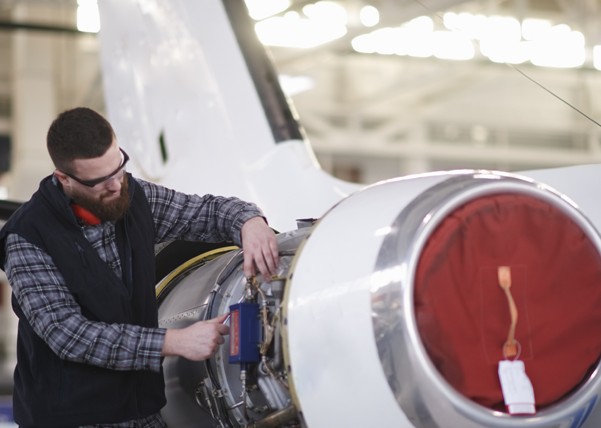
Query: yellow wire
x,y
209,255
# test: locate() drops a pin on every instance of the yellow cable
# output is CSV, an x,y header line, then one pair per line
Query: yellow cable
x,y
209,255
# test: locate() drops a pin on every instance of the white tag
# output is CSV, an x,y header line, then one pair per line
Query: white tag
x,y
516,387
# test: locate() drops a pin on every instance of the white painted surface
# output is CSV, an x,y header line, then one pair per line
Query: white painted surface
x,y
176,68
582,184
332,350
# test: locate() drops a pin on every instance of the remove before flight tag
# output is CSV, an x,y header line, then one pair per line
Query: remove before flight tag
x,y
517,388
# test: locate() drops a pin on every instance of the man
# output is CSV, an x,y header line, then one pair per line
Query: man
x,y
80,259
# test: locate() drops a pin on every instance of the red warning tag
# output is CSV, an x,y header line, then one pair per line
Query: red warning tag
x,y
235,333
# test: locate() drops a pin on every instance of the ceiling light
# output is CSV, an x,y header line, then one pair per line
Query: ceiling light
x,y
508,52
326,12
369,16
363,44
597,57
533,29
297,32
88,17
449,45
261,9
292,85
421,25
326,22
502,29
559,47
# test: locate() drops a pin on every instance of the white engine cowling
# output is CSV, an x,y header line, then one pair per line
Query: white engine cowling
x,y
354,351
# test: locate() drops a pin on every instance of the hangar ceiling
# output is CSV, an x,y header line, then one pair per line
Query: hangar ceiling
x,y
374,112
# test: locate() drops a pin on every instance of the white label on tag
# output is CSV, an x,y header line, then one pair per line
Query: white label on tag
x,y
516,387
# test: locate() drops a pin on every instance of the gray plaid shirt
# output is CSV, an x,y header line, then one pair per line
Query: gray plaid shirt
x,y
53,313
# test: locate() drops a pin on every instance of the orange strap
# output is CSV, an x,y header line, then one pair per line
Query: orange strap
x,y
510,347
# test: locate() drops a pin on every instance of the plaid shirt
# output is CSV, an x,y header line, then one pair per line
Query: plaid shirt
x,y
53,313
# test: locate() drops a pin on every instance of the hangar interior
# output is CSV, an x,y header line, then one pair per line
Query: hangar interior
x,y
370,112
393,87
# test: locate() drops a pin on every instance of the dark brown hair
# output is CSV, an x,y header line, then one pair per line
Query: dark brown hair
x,y
80,133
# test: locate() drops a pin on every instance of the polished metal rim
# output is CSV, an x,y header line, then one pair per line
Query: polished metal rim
x,y
412,377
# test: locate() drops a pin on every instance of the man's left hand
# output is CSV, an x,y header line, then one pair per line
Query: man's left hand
x,y
260,248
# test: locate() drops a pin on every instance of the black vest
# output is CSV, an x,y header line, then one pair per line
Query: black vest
x,y
51,392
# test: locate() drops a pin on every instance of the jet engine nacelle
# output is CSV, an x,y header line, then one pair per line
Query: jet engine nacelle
x,y
388,312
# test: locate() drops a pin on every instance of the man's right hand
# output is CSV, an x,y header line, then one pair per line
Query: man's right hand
x,y
198,341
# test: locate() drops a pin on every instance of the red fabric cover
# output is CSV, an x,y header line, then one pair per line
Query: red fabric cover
x,y
462,313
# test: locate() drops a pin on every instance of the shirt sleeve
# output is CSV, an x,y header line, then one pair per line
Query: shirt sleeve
x,y
205,218
51,310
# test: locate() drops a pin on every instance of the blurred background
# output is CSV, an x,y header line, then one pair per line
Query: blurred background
x,y
383,88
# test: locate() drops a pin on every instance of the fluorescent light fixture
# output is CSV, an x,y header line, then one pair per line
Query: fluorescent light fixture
x,y
88,17
466,23
597,57
326,23
421,48
509,52
387,40
404,40
326,12
449,45
293,85
502,29
450,20
415,35
261,9
533,29
561,57
519,52
363,44
421,26
500,39
560,47
369,16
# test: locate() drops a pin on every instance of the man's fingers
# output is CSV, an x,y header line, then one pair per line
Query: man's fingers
x,y
275,253
249,266
271,254
272,260
218,320
223,329
260,248
262,266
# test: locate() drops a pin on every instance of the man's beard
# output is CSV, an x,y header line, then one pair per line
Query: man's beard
x,y
112,210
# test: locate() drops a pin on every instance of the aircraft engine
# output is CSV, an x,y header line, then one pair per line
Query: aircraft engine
x,y
395,309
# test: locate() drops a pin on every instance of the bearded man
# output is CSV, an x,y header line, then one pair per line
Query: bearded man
x,y
80,259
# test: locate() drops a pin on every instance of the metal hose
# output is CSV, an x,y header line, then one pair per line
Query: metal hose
x,y
276,419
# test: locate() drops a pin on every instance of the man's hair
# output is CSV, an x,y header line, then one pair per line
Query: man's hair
x,y
80,133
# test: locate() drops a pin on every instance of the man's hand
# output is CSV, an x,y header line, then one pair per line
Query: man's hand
x,y
198,341
260,248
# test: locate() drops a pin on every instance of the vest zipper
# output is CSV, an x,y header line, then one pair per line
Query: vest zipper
x,y
82,255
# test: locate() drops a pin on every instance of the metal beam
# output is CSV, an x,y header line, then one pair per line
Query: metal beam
x,y
11,26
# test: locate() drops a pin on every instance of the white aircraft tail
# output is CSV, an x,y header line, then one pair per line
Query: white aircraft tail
x,y
194,98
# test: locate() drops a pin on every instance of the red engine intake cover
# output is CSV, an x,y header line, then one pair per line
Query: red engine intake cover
x,y
463,315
